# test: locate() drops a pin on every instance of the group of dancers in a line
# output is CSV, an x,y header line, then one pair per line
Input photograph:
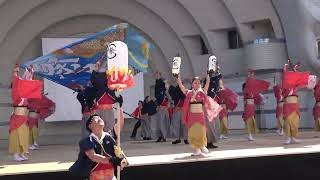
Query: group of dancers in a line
x,y
195,112
193,117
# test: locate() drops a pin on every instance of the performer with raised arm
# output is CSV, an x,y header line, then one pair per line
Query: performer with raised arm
x,y
22,89
292,81
252,90
215,85
279,109
86,97
99,155
316,109
196,105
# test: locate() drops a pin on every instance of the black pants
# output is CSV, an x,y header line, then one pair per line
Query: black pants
x,y
135,129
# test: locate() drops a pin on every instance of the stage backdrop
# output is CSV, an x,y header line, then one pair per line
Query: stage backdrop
x,y
67,106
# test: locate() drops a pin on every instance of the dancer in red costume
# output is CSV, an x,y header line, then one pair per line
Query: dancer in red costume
x,y
252,90
292,81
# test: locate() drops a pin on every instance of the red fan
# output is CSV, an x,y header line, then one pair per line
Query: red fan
x,y
229,97
256,86
294,79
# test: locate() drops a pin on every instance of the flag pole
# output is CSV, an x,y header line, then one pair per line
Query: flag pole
x,y
118,129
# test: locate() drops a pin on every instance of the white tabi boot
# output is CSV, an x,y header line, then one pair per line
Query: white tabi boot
x,y
196,153
288,141
16,157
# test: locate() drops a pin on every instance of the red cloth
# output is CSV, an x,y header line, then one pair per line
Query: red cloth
x,y
277,92
316,93
16,101
292,80
105,99
211,108
165,102
26,88
16,121
223,113
88,112
137,112
102,166
289,108
229,98
45,107
316,112
170,111
33,122
180,103
256,86
248,112
279,111
286,92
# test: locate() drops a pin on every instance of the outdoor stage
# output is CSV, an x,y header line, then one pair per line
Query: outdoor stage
x,y
236,157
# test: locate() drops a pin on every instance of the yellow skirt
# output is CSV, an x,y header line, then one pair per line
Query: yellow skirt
x,y
317,125
197,136
251,125
291,125
224,126
19,139
34,134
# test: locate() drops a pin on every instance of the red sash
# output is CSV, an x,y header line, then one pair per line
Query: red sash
x,y
16,121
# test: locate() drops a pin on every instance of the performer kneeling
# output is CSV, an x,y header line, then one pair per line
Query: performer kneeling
x,y
99,155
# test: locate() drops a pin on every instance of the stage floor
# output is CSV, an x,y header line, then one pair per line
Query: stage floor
x,y
55,158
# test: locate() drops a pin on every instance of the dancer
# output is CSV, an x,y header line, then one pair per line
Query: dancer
x,y
104,97
146,110
215,85
162,98
292,81
316,109
252,90
39,109
179,130
85,97
137,114
279,109
228,101
99,156
196,104
18,128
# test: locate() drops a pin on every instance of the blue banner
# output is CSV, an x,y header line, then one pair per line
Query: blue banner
x,y
71,66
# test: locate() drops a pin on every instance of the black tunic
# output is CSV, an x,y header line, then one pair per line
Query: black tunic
x,y
149,108
214,85
159,90
83,166
176,94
